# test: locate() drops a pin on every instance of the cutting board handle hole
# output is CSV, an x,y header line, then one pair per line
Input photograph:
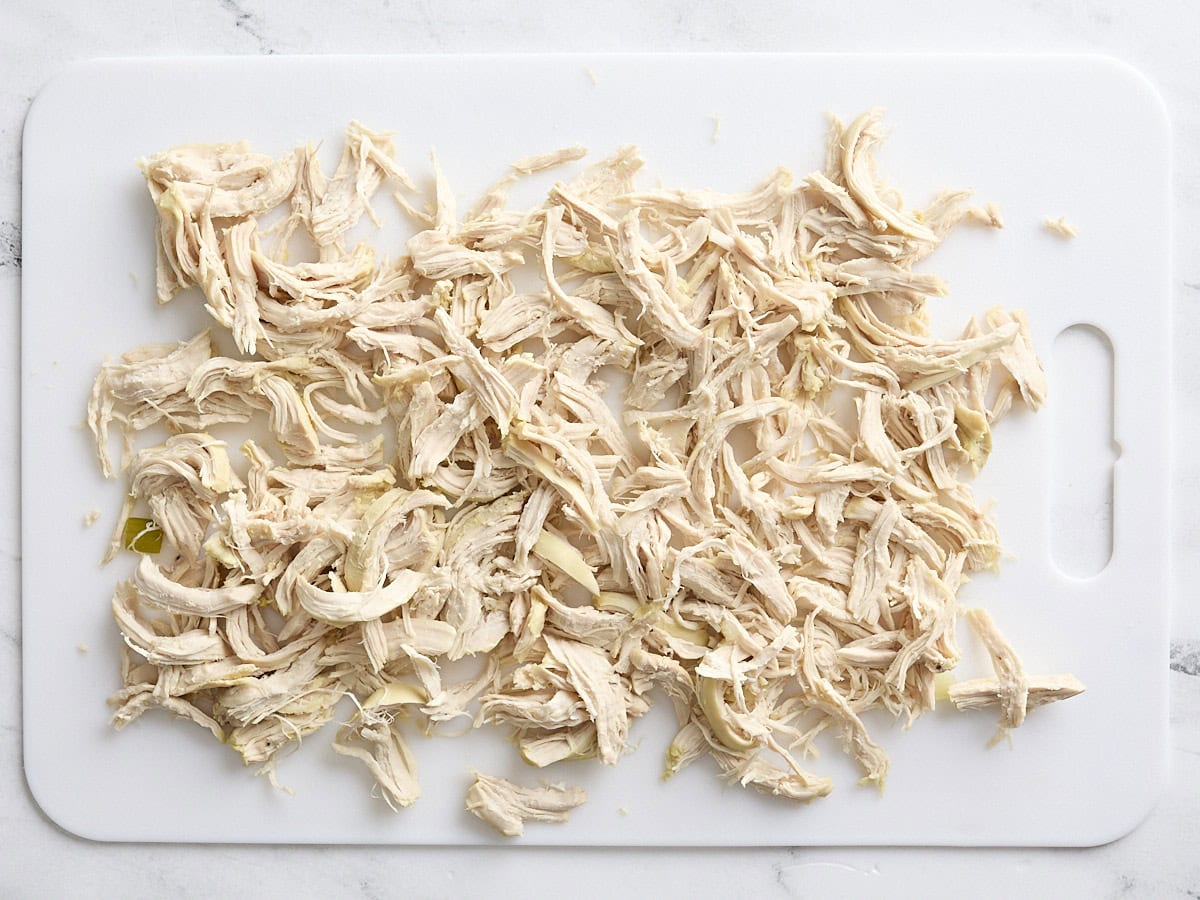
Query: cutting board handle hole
x,y
1084,451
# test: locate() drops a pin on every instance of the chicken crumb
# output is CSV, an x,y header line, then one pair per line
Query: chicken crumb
x,y
622,810
1060,226
988,215
91,517
81,647
591,74
716,131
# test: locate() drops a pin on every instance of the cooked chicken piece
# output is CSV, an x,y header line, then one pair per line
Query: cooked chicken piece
x,y
662,303
507,807
1013,691
529,164
1060,226
143,637
1040,690
557,551
146,386
770,779
182,481
158,590
988,215
856,165
591,674
224,180
366,162
194,184
385,753
774,530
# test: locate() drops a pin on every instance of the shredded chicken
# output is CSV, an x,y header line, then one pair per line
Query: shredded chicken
x,y
773,530
507,807
1013,691
1060,226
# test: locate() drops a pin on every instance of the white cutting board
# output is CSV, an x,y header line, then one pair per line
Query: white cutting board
x,y
1076,136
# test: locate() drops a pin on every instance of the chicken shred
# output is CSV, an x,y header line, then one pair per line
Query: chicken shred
x,y
1060,226
507,806
1011,689
773,530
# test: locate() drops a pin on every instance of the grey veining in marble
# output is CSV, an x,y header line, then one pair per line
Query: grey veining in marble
x,y
1185,657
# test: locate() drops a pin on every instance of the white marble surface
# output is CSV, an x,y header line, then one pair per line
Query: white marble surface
x,y
37,39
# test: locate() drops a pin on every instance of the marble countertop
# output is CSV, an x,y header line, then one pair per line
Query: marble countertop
x,y
38,39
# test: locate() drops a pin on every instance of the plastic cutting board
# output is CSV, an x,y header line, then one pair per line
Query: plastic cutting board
x,y
1042,136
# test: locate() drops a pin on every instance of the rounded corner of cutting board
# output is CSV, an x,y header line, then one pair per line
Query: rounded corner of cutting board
x,y
1121,826
1138,81
57,810
59,90
1121,809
